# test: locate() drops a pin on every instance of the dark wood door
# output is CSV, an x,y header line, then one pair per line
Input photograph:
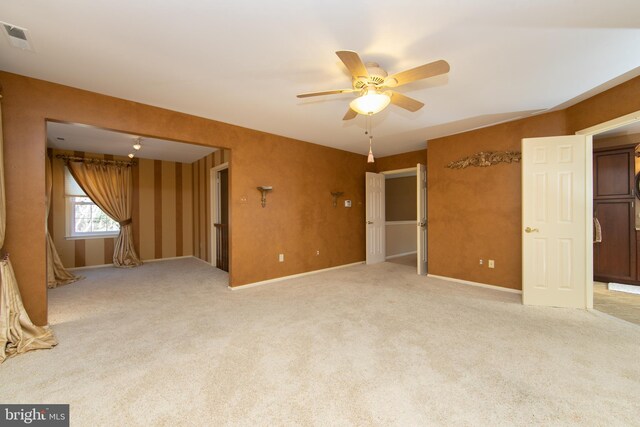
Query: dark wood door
x,y
613,174
615,257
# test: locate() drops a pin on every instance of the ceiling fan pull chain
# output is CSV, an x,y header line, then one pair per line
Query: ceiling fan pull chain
x,y
370,158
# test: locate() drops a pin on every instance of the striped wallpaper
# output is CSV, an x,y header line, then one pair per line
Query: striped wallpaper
x,y
201,202
171,215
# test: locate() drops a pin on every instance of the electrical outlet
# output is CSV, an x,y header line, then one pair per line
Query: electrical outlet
x,y
492,264
481,261
281,257
318,253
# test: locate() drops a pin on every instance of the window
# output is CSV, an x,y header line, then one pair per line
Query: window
x,y
84,218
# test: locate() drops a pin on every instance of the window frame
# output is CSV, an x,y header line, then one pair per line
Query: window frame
x,y
70,219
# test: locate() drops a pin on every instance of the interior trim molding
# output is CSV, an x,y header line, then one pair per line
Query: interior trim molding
x,y
399,173
481,285
621,287
88,267
293,276
409,222
402,254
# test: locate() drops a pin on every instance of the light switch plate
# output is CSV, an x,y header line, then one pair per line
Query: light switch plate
x,y
347,203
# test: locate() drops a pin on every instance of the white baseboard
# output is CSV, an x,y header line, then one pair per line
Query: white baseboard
x,y
481,285
402,254
87,267
293,276
621,287
167,259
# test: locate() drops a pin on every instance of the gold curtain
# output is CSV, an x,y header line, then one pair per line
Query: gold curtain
x,y
109,186
17,333
57,275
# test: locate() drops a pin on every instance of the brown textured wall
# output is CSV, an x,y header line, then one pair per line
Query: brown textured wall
x,y
615,102
476,212
298,220
162,230
401,161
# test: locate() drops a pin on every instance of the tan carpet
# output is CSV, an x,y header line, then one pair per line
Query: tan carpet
x,y
622,305
168,344
409,260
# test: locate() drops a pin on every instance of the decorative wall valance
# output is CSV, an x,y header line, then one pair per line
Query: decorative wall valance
x,y
486,158
119,163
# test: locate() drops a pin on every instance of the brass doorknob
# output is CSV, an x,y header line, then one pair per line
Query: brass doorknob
x,y
531,230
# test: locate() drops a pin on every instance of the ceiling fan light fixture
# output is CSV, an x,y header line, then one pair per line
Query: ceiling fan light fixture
x,y
371,102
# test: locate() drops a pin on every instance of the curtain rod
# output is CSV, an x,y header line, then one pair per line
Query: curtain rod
x,y
66,158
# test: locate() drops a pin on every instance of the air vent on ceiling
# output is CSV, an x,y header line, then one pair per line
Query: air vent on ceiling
x,y
17,36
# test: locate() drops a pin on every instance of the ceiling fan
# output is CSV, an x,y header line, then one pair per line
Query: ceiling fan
x,y
373,84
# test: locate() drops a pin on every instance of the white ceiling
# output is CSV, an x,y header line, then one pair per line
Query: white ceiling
x,y
244,61
94,140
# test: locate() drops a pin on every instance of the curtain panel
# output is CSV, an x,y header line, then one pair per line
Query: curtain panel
x,y
57,275
109,186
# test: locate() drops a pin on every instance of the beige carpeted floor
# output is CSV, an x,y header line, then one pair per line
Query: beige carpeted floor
x,y
409,260
169,344
622,305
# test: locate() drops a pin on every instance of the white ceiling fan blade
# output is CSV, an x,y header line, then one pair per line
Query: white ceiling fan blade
x,y
353,63
405,102
418,73
326,92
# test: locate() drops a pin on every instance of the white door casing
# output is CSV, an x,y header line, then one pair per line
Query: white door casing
x,y
375,217
556,221
421,215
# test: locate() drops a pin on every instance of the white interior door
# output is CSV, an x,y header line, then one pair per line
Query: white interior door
x,y
421,186
374,189
556,221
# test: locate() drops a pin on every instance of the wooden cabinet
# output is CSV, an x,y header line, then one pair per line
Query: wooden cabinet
x,y
615,258
613,174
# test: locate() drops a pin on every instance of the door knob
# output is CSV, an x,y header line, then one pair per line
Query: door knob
x,y
531,230
369,222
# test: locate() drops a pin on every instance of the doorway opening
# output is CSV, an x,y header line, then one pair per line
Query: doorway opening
x,y
219,238
400,217
167,191
616,216
397,217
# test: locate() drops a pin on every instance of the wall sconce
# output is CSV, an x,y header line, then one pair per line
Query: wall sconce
x,y
336,195
264,190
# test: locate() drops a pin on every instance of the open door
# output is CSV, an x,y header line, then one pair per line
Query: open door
x,y
375,218
557,221
421,202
